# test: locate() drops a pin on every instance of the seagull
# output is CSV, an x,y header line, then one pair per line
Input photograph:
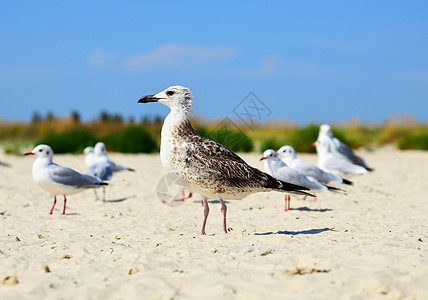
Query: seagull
x,y
57,179
202,165
103,171
100,168
339,148
279,169
100,156
89,156
329,162
288,155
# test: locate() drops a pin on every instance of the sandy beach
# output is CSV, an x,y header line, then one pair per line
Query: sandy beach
x,y
368,244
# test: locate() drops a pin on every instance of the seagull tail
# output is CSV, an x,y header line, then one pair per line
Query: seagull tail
x,y
346,181
335,189
279,185
294,189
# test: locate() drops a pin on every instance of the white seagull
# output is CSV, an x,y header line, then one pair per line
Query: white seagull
x,y
339,148
101,167
100,156
288,155
202,165
329,162
57,179
89,156
278,169
103,171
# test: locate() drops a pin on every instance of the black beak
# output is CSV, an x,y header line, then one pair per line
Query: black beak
x,y
147,99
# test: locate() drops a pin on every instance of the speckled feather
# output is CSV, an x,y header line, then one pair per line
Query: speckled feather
x,y
204,166
210,168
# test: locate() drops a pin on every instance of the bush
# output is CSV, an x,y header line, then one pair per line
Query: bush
x,y
73,141
272,143
17,147
235,140
304,137
133,139
417,141
300,139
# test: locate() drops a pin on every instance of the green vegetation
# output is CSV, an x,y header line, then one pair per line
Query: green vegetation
x,y
414,140
74,141
72,135
133,139
233,139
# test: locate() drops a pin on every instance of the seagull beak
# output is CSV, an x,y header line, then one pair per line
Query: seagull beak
x,y
313,145
149,98
277,153
29,153
262,158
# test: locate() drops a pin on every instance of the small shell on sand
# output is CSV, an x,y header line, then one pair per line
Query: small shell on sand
x,y
9,281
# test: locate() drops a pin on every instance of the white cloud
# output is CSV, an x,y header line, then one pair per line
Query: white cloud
x,y
179,57
99,58
274,65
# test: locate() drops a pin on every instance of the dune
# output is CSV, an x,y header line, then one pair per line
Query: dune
x,y
368,244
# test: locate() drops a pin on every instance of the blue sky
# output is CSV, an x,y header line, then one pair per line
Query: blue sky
x,y
308,61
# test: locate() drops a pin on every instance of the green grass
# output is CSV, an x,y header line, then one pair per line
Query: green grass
x,y
65,135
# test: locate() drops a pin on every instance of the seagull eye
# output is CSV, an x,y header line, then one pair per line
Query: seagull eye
x,y
170,93
40,150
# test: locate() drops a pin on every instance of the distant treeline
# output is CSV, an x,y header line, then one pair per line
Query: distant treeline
x,y
71,135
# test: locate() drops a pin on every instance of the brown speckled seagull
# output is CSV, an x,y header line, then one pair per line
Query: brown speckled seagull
x,y
204,166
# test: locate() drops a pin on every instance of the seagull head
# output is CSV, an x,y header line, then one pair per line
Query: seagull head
x,y
325,129
178,98
286,152
88,150
323,145
269,155
42,151
271,162
100,149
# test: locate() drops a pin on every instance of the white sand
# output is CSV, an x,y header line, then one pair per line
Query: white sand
x,y
370,244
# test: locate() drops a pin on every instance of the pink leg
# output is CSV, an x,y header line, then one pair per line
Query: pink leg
x,y
304,197
223,210
183,196
96,195
65,203
287,202
206,212
53,205
104,194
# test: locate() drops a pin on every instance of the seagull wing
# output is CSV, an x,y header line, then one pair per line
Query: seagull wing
x,y
101,170
220,163
67,176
